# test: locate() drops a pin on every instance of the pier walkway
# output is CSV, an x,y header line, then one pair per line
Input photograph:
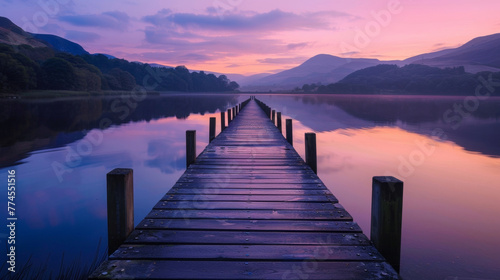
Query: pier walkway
x,y
247,208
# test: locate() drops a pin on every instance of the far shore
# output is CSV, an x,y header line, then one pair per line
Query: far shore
x,y
64,94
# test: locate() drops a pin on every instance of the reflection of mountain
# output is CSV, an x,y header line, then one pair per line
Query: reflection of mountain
x,y
33,124
479,131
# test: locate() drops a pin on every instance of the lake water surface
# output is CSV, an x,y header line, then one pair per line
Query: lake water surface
x,y
445,149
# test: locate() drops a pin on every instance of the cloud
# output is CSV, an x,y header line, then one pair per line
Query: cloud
x,y
275,20
297,46
349,53
442,46
184,38
283,60
233,65
112,20
81,36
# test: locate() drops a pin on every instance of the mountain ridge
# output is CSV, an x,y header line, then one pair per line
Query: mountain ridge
x,y
477,55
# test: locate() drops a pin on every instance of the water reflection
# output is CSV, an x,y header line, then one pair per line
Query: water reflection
x,y
452,188
30,125
478,130
452,184
66,211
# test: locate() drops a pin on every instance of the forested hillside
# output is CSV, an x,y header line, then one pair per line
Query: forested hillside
x,y
26,68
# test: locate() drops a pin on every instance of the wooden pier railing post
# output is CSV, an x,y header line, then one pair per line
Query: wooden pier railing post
x,y
278,119
228,116
211,132
289,131
311,157
120,202
387,216
273,116
222,121
234,113
190,147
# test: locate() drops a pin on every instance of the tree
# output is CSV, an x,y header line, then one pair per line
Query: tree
x,y
59,74
125,80
13,75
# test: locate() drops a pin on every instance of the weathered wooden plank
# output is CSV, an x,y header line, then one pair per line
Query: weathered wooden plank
x,y
247,185
331,215
285,167
246,237
247,181
253,198
246,205
188,269
246,252
250,225
242,176
228,191
245,172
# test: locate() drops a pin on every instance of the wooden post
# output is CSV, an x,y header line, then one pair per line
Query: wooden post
x,y
211,132
228,116
387,216
234,112
278,119
222,121
240,108
273,116
311,158
289,131
190,147
120,202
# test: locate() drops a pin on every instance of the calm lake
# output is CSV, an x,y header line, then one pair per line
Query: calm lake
x,y
445,149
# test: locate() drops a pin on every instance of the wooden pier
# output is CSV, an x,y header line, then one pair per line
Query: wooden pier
x,y
248,207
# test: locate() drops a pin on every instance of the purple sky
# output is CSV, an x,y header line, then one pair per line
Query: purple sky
x,y
254,36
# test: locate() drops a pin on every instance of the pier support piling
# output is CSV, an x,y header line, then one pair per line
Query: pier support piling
x,y
190,147
387,216
211,133
222,121
289,131
311,156
278,124
120,203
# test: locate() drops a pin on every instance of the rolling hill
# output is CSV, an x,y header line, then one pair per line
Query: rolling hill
x,y
479,54
13,35
322,68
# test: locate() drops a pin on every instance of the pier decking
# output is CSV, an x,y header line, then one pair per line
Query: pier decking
x,y
247,208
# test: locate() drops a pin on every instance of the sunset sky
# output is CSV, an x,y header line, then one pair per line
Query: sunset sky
x,y
256,36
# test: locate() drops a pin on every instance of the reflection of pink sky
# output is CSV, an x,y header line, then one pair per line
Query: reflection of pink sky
x,y
126,146
450,198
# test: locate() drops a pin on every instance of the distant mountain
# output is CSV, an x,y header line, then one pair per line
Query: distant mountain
x,y
106,55
61,44
479,54
411,79
321,68
12,34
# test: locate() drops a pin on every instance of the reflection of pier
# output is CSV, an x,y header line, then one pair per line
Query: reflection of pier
x,y
248,207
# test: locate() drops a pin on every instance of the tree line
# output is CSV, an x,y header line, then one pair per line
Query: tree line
x,y
409,79
26,68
